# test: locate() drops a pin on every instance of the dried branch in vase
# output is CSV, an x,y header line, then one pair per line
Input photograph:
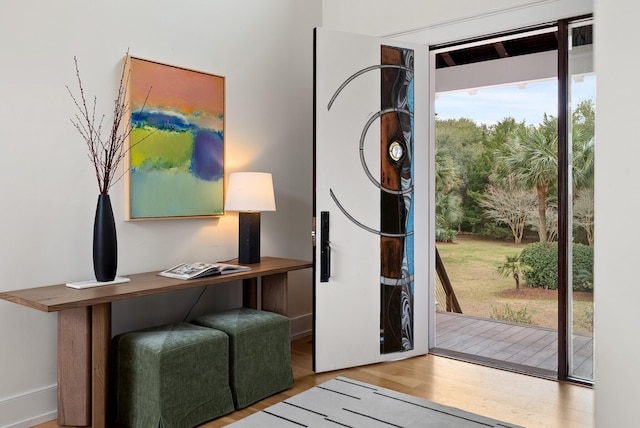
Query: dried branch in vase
x,y
105,152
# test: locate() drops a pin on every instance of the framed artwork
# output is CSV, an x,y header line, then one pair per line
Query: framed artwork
x,y
175,158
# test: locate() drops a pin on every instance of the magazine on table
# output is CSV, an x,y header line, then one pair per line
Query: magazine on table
x,y
200,269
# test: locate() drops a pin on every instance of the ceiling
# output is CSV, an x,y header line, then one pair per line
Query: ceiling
x,y
510,47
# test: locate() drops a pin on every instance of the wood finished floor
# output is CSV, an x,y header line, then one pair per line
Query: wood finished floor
x,y
520,399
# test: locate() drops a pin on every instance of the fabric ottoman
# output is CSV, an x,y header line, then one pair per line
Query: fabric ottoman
x,y
174,375
259,352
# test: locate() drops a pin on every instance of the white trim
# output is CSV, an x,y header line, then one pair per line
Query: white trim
x,y
301,326
18,411
522,16
499,38
469,18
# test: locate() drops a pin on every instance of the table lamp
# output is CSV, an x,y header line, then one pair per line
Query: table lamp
x,y
249,193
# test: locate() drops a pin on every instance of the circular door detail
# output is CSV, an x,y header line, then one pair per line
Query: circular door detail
x,y
396,151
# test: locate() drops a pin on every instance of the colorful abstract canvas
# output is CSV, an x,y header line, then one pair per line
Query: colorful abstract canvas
x,y
176,152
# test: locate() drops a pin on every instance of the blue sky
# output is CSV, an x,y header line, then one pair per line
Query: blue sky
x,y
490,105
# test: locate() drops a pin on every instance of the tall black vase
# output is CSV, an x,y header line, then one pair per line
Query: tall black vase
x,y
105,244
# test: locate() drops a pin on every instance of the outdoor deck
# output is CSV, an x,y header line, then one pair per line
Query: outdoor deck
x,y
520,347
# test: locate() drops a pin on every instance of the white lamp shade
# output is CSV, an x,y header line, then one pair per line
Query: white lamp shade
x,y
250,191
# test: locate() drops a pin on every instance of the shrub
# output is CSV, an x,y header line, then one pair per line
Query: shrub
x,y
585,319
445,235
520,316
543,258
492,230
582,267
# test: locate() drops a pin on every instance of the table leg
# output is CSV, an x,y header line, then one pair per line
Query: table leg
x,y
275,293
74,367
101,338
250,293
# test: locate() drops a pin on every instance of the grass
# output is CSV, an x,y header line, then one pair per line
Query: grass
x,y
471,263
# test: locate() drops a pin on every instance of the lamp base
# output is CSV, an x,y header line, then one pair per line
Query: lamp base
x,y
249,237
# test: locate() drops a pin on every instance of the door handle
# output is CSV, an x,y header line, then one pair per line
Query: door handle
x,y
325,247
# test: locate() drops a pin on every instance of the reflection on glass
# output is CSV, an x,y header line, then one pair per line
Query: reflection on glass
x,y
582,107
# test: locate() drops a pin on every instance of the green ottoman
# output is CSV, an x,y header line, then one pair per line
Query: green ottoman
x,y
175,375
259,352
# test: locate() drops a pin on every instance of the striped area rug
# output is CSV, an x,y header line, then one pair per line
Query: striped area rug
x,y
343,402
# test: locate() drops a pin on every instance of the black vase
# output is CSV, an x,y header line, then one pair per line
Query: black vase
x,y
105,244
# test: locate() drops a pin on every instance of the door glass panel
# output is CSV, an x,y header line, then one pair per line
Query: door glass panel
x,y
582,101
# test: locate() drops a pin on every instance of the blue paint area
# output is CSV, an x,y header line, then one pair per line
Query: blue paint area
x,y
410,106
207,159
160,120
410,241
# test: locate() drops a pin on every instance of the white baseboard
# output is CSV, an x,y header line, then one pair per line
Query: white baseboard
x,y
301,326
19,411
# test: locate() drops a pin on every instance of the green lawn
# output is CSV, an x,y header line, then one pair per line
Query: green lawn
x,y
471,263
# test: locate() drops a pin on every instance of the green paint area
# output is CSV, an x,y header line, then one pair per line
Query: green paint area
x,y
161,150
156,194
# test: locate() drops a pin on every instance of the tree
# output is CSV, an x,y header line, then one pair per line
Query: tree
x,y
551,217
532,155
446,176
458,141
493,139
514,267
582,144
583,212
448,210
584,115
461,139
509,204
448,204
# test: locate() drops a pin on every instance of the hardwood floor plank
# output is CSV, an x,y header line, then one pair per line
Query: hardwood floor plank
x,y
499,394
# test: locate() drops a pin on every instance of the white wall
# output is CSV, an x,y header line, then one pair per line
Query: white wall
x,y
46,182
617,294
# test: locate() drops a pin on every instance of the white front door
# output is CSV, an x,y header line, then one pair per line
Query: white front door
x,y
372,193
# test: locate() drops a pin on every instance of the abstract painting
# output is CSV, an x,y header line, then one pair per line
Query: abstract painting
x,y
396,200
176,153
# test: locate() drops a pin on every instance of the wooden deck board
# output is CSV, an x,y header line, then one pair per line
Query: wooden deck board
x,y
512,344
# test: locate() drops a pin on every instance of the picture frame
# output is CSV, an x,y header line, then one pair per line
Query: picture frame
x,y
174,165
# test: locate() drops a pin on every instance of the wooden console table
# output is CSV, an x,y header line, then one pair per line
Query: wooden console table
x,y
84,326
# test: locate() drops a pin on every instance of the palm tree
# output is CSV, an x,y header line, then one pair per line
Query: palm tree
x,y
514,267
448,210
446,174
448,203
532,155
